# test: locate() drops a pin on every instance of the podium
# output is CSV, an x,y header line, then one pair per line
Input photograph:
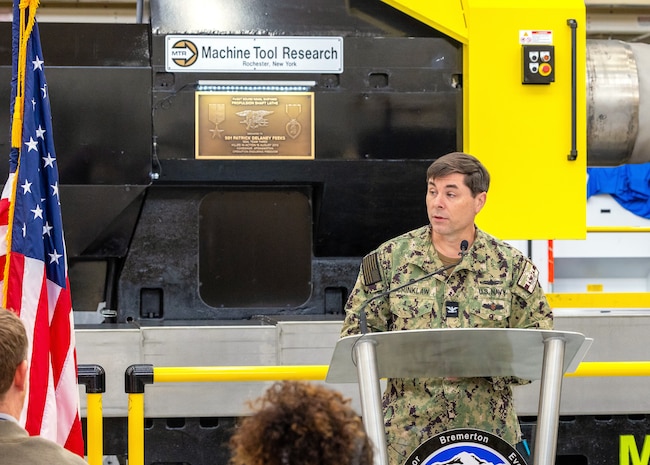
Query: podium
x,y
464,353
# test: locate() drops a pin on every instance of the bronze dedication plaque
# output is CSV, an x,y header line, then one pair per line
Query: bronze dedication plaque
x,y
248,125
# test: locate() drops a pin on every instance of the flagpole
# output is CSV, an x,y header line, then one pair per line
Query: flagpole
x,y
25,31
19,106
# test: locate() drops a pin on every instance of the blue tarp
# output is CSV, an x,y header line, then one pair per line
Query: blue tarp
x,y
629,185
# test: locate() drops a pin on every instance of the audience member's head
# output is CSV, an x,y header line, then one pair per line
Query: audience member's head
x,y
295,423
13,363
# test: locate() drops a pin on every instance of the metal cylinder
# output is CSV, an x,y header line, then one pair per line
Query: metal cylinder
x,y
612,102
370,395
641,151
549,401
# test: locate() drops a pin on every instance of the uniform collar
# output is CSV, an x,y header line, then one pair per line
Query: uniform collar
x,y
423,254
421,250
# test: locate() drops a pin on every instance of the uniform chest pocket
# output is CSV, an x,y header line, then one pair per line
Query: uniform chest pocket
x,y
411,311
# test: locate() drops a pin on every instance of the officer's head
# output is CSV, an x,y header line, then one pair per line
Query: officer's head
x,y
475,174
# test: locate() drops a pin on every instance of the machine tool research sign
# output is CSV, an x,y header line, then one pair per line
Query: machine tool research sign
x,y
251,54
250,125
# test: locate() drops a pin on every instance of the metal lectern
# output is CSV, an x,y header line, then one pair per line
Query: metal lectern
x,y
464,352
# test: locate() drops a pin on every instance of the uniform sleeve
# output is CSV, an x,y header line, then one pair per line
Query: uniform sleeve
x,y
366,297
530,309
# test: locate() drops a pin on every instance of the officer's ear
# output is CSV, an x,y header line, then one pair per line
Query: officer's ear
x,y
479,201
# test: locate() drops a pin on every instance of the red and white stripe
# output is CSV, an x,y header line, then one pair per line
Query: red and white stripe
x,y
52,406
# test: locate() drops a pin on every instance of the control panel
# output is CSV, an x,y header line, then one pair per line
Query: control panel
x,y
538,64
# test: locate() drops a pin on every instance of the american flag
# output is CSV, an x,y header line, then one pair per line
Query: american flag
x,y
33,263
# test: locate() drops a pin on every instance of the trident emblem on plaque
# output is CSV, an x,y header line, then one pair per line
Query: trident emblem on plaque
x,y
293,127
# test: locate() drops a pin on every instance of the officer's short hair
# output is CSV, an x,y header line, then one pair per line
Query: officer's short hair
x,y
477,177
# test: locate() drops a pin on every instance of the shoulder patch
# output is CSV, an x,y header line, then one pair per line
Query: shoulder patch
x,y
370,267
528,279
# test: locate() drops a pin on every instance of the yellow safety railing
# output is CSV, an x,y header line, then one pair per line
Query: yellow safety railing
x,y
599,300
617,229
239,373
94,429
138,376
94,379
595,369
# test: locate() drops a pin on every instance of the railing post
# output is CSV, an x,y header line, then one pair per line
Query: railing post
x,y
93,377
135,379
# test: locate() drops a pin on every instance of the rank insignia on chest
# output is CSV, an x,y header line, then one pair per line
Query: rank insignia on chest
x,y
451,309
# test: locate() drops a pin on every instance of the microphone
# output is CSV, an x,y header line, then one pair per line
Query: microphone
x,y
363,318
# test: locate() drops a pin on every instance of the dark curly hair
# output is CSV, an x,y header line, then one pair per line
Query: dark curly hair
x,y
295,423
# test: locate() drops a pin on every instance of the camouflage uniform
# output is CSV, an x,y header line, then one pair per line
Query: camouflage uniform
x,y
495,286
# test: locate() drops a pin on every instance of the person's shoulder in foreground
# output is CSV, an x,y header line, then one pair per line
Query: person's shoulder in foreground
x,y
17,447
295,423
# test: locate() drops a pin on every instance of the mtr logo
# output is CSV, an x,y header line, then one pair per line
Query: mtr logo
x,y
184,53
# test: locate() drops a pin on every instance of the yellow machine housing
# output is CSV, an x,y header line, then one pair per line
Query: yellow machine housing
x,y
522,132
